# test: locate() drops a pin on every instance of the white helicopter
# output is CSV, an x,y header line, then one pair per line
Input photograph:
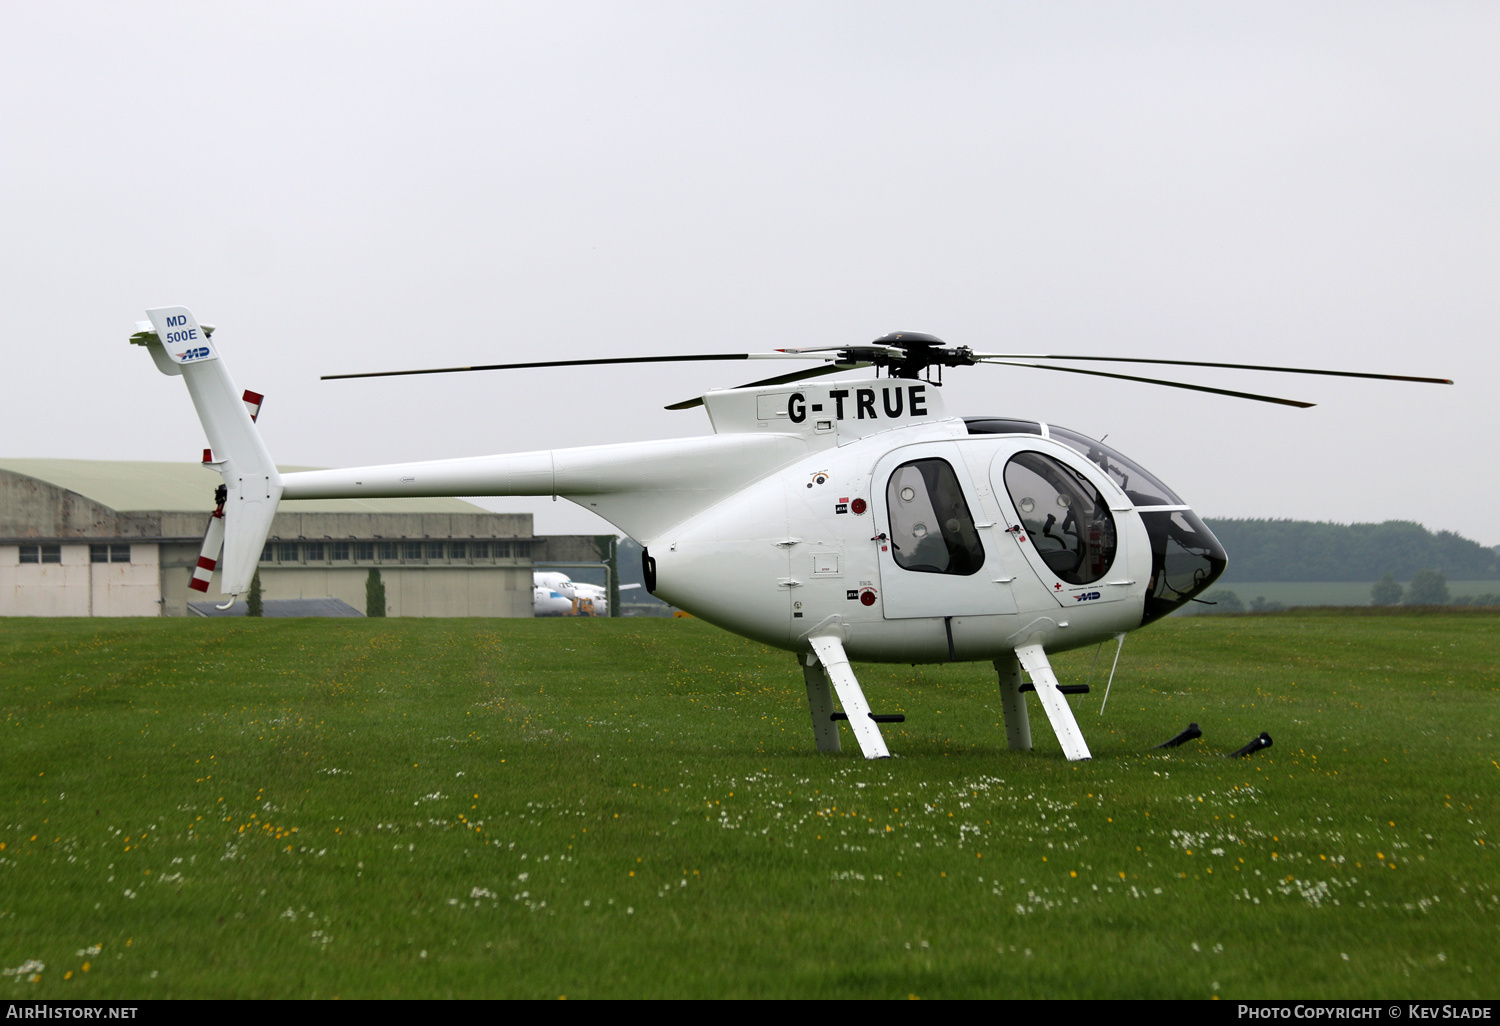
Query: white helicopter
x,y
847,519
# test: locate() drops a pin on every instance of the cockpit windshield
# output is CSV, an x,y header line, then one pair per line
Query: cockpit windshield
x,y
1185,559
1143,488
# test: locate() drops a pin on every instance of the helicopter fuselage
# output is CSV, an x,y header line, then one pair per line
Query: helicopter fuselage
x,y
788,558
861,509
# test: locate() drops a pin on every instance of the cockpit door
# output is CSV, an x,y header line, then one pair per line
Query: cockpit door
x,y
1060,515
939,554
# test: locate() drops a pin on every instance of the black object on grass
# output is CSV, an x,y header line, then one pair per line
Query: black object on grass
x,y
1191,734
1264,741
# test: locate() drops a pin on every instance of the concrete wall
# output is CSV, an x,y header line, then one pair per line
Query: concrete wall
x,y
567,548
412,591
36,509
343,526
177,562
77,587
438,590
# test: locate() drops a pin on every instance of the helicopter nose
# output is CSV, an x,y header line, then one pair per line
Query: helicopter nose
x,y
1186,559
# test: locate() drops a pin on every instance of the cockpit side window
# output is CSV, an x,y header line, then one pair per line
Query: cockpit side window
x,y
932,531
1065,517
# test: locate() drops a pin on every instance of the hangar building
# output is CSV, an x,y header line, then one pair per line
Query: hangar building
x,y
108,538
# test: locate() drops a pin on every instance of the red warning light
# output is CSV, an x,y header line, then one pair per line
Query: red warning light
x,y
867,597
858,506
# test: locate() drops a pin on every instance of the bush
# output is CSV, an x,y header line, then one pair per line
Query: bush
x,y
1386,591
1428,588
1223,602
253,605
374,594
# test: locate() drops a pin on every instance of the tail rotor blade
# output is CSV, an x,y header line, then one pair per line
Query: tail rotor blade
x,y
253,402
208,556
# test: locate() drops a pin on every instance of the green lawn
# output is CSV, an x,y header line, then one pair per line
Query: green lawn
x,y
594,808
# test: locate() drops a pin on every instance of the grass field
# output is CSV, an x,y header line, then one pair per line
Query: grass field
x,y
592,808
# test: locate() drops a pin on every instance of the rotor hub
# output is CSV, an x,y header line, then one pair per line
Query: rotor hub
x,y
919,353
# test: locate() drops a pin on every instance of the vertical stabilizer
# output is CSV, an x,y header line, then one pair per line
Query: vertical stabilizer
x,y
182,346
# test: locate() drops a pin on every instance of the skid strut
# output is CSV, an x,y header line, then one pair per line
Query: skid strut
x,y
836,670
820,701
1017,723
1034,659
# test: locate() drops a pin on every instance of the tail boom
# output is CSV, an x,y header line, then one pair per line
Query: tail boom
x,y
643,488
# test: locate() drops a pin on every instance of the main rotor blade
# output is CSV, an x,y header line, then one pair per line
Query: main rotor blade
x,y
811,372
1204,363
780,379
573,363
1154,381
869,347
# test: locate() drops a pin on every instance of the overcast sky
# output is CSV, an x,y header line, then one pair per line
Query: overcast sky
x,y
371,186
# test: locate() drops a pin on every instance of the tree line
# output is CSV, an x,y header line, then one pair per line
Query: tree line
x,y
1304,550
1427,588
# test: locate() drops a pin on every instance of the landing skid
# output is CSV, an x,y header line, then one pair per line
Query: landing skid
x,y
827,673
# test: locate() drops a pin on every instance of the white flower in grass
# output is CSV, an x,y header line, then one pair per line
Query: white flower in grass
x,y
31,967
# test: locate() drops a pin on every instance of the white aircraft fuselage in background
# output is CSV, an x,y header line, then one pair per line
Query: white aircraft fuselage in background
x,y
555,594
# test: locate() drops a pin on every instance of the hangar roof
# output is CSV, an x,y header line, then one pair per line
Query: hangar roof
x,y
131,485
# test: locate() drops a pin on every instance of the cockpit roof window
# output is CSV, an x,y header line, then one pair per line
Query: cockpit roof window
x,y
1143,487
1001,426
